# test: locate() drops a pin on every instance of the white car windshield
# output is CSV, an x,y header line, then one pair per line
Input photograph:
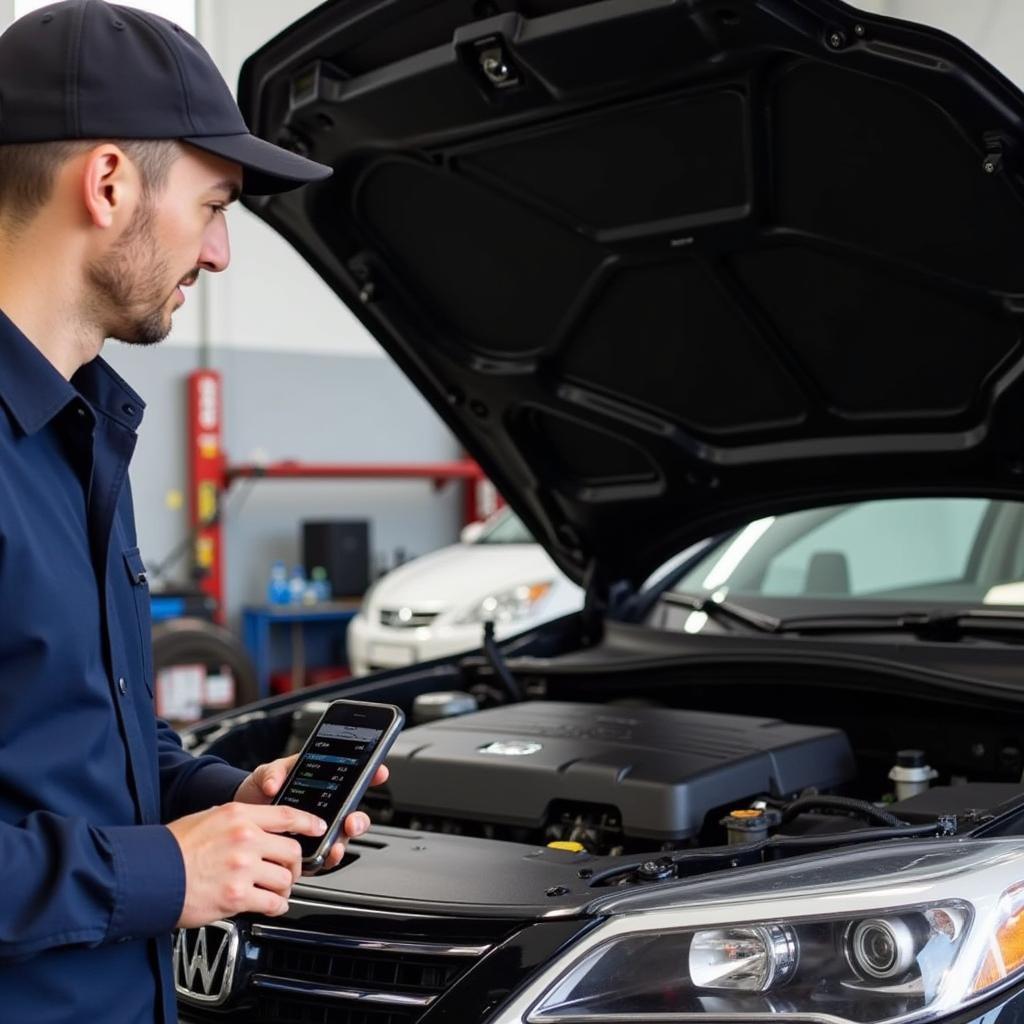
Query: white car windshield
x,y
506,528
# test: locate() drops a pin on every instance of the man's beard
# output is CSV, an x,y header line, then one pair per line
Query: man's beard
x,y
129,285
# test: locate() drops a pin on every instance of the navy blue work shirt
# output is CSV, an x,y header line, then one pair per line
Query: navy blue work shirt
x,y
93,883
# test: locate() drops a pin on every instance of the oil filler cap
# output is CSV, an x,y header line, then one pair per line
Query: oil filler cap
x,y
566,844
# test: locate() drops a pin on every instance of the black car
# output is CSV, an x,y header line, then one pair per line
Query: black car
x,y
726,273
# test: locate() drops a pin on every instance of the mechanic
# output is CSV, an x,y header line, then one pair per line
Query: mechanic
x,y
120,148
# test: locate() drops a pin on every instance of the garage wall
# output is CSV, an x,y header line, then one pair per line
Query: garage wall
x,y
302,379
281,405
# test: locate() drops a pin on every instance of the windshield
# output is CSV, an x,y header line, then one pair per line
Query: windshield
x,y
968,551
506,528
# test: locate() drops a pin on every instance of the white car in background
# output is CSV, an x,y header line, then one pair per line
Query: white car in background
x,y
436,605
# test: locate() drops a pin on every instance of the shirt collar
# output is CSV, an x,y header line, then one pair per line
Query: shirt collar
x,y
34,391
106,392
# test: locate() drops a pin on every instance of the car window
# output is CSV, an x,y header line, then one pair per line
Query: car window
x,y
956,549
506,529
879,546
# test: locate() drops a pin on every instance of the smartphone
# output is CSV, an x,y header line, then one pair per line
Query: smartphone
x,y
336,766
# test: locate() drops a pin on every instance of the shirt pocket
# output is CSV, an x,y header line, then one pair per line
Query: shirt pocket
x,y
143,612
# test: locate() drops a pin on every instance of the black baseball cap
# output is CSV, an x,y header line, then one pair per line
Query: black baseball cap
x,y
85,69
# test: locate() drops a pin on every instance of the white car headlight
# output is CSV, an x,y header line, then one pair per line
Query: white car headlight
x,y
899,933
507,605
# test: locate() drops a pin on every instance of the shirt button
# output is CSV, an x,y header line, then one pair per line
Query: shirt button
x,y
122,686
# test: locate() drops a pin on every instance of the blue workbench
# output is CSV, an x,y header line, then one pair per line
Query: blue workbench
x,y
315,635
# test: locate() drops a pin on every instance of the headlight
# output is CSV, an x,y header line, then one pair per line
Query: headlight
x,y
901,933
507,605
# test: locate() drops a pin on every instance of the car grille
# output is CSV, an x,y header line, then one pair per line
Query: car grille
x,y
406,618
348,971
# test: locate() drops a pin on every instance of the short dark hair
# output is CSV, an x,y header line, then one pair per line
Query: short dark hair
x,y
28,170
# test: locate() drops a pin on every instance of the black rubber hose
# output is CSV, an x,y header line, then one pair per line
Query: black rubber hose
x,y
863,835
728,853
840,803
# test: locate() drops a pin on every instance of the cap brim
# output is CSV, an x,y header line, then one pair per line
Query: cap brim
x,y
267,168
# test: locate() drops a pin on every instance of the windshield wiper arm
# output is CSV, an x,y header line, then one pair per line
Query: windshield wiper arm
x,y
725,611
931,625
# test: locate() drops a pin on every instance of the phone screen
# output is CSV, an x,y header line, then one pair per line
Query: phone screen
x,y
332,762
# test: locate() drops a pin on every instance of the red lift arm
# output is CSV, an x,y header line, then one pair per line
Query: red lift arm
x,y
210,477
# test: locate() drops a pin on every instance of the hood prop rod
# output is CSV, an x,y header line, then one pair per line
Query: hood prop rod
x,y
595,606
497,662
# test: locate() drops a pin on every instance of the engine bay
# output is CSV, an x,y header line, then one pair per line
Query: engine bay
x,y
534,800
613,781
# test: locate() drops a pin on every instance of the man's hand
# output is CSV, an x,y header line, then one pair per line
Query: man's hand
x,y
263,784
235,862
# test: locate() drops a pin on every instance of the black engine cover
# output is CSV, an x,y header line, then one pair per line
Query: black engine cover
x,y
664,770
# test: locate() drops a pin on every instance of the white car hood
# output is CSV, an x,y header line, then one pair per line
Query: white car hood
x,y
460,574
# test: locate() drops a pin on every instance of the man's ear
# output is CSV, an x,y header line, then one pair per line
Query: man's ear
x,y
110,185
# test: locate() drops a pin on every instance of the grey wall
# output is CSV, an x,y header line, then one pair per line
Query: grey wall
x,y
159,471
322,409
304,406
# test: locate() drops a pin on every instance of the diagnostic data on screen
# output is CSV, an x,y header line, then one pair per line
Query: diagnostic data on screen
x,y
330,767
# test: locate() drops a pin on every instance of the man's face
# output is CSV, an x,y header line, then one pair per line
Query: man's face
x,y
172,235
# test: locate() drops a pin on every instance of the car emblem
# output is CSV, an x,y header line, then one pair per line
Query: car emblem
x,y
204,962
510,748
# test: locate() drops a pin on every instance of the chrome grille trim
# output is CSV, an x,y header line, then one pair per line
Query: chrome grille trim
x,y
328,939
338,993
347,910
392,617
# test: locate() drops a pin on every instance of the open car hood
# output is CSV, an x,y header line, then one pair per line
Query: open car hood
x,y
665,266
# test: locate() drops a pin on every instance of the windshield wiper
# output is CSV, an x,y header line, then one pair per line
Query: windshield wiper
x,y
945,625
933,625
725,611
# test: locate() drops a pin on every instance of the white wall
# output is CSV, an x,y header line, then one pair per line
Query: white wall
x,y
269,300
994,28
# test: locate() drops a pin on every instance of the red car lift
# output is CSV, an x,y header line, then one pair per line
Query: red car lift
x,y
210,477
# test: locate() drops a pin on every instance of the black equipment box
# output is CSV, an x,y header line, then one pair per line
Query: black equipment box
x,y
342,547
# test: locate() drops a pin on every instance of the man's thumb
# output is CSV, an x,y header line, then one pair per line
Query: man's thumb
x,y
271,781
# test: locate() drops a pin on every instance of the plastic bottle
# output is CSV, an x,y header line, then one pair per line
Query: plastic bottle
x,y
297,585
278,591
321,584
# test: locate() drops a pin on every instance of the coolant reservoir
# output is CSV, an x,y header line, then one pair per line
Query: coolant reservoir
x,y
911,773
